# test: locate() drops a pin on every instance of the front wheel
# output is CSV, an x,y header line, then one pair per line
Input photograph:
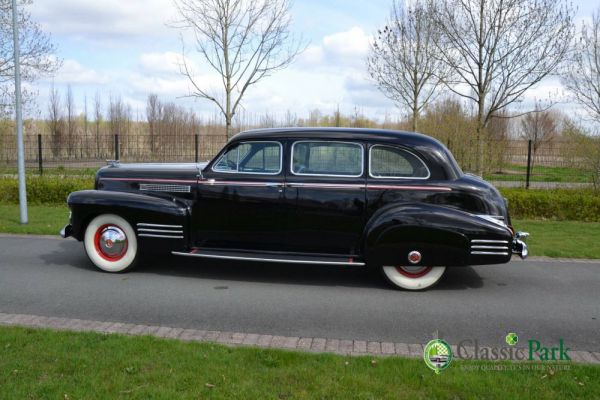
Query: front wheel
x,y
110,243
413,277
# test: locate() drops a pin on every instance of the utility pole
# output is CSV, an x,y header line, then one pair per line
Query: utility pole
x,y
19,118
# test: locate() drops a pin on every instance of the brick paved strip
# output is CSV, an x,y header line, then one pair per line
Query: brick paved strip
x,y
331,345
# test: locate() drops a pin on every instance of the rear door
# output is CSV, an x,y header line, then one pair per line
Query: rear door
x,y
325,195
240,197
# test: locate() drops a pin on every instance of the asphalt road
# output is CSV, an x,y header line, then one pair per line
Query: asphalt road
x,y
537,299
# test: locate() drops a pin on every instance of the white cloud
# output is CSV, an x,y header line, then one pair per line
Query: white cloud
x,y
106,18
164,63
74,73
352,44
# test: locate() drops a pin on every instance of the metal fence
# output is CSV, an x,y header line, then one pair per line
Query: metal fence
x,y
518,163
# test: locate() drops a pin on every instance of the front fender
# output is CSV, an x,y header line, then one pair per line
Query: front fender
x,y
441,234
135,208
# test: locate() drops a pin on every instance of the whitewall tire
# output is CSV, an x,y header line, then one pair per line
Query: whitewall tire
x,y
413,277
110,243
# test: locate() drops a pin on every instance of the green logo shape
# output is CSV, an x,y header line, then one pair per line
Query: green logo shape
x,y
512,339
437,355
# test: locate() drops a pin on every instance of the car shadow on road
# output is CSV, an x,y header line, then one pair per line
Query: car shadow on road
x,y
72,254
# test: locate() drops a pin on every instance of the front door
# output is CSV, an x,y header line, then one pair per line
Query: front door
x,y
239,198
325,193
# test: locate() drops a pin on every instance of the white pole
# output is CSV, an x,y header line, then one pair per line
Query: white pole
x,y
19,118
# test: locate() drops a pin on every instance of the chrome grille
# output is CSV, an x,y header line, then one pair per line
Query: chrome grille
x,y
489,247
165,188
160,231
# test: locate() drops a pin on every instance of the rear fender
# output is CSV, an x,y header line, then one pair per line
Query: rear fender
x,y
441,234
135,208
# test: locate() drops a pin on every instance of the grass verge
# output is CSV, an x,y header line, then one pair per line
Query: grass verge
x,y
548,238
571,239
53,364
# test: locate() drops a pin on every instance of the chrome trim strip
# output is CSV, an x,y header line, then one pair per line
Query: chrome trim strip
x,y
159,236
362,159
213,182
158,230
397,177
488,253
410,187
326,185
159,226
149,180
238,156
489,241
490,247
274,260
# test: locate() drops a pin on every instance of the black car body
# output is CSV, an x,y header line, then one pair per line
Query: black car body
x,y
306,195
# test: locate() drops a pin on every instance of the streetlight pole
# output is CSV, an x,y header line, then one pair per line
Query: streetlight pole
x,y
19,118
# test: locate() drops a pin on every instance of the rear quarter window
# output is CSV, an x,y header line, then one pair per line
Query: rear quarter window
x,y
394,162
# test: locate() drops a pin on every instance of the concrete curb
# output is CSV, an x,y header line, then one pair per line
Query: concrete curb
x,y
315,345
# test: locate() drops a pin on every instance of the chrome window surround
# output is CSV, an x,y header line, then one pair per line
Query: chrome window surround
x,y
396,177
362,159
238,163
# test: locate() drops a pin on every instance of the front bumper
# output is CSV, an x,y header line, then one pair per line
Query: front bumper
x,y
519,246
66,231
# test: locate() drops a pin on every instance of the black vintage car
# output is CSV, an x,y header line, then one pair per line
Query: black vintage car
x,y
392,200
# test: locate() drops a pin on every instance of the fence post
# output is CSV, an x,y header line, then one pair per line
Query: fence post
x,y
528,164
40,162
196,147
116,147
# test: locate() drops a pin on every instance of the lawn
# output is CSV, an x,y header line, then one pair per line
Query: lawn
x,y
540,174
561,238
43,220
548,238
69,365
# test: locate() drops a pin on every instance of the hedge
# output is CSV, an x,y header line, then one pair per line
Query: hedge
x,y
558,204
43,190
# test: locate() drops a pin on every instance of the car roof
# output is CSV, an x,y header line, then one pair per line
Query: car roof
x,y
400,137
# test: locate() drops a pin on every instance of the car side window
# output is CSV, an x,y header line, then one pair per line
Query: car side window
x,y
393,162
251,158
327,158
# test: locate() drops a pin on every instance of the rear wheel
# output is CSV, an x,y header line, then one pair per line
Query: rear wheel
x,y
413,277
110,243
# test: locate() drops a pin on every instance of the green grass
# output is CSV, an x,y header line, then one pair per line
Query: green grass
x,y
541,174
561,238
43,220
68,365
548,238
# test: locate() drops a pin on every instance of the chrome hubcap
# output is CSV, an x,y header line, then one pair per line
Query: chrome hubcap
x,y
113,241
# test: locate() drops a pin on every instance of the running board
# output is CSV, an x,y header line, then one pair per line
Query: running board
x,y
272,258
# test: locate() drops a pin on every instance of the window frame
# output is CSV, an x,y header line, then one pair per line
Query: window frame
x,y
362,158
238,144
396,177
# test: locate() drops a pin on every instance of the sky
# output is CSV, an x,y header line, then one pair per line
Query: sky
x,y
126,48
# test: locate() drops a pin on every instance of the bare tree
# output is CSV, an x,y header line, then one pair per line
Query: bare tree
x,y
153,115
70,106
242,41
540,127
36,51
403,58
97,120
582,78
55,121
499,49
